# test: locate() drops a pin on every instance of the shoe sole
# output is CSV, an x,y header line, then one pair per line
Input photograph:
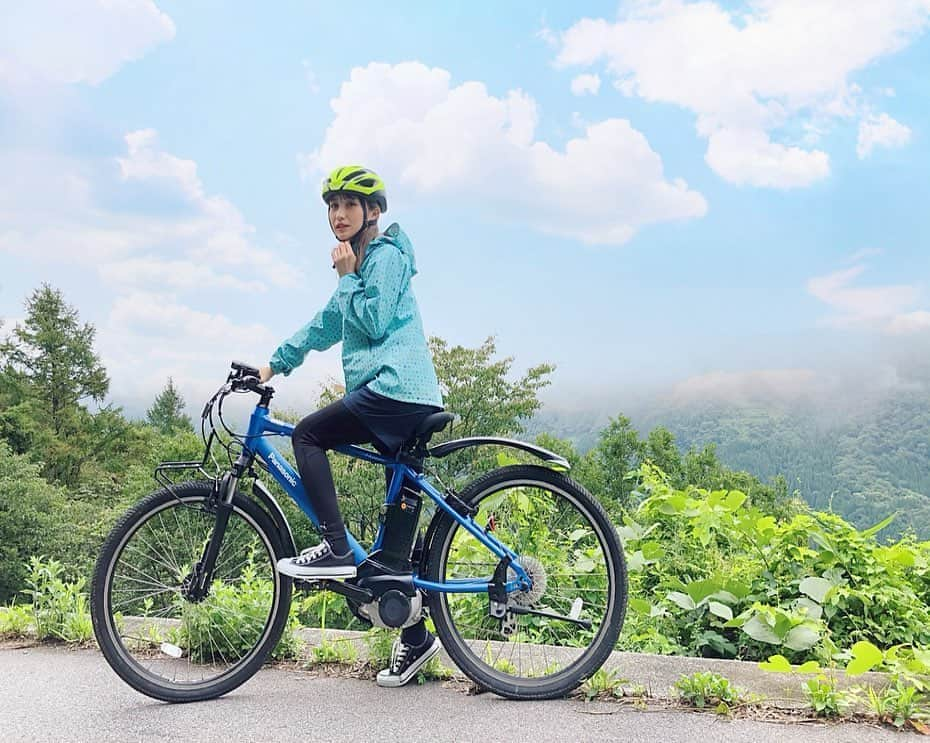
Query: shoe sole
x,y
391,682
285,567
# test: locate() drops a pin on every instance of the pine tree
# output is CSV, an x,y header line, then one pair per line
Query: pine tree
x,y
167,412
52,354
47,367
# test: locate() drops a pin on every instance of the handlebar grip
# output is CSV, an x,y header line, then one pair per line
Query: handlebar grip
x,y
245,370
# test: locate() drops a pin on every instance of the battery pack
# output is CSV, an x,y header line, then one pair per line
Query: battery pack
x,y
400,530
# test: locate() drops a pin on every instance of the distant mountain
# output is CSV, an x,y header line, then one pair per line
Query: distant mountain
x,y
863,462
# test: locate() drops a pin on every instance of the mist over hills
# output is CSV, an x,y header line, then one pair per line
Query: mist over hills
x,y
861,450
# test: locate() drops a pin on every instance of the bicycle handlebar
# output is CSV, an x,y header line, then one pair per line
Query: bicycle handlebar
x,y
243,370
242,378
246,377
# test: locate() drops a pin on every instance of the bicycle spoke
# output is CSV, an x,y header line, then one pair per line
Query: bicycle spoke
x,y
552,538
216,635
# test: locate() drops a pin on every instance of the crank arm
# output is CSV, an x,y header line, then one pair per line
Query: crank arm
x,y
586,623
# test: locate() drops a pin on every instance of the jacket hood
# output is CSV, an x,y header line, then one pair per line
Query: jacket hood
x,y
398,238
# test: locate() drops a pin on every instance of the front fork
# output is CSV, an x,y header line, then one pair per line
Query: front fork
x,y
196,585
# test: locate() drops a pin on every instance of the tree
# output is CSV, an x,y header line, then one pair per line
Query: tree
x,y
618,452
475,387
31,519
167,412
54,355
662,451
47,367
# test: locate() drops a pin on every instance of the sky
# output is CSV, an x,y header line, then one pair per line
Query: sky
x,y
701,197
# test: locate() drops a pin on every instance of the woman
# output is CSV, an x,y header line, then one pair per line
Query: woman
x,y
391,383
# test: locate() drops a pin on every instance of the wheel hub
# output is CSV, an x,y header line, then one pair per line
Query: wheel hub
x,y
190,587
537,574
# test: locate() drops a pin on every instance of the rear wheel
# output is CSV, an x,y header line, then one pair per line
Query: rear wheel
x,y
568,546
153,634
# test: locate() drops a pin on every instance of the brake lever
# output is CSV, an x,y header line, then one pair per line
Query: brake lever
x,y
248,383
206,408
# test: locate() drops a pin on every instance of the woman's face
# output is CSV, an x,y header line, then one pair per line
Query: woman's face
x,y
345,215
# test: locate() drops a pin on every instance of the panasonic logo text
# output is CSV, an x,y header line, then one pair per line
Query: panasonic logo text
x,y
280,467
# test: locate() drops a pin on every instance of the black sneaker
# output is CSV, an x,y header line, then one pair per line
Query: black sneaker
x,y
318,562
406,660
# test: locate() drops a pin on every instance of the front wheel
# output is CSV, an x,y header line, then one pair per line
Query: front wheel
x,y
160,637
569,548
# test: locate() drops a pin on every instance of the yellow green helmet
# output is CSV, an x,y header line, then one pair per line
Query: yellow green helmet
x,y
356,180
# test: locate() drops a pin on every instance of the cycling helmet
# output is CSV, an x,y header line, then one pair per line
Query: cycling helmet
x,y
355,179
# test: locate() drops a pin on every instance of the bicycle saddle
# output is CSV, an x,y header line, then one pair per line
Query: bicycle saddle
x,y
431,424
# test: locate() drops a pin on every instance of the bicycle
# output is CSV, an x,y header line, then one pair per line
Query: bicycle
x,y
521,571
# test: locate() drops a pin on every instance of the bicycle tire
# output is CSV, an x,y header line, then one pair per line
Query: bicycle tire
x,y
439,540
190,494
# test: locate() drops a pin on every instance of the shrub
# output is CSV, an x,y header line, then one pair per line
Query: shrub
x,y
16,620
708,689
229,620
711,575
60,610
898,703
825,698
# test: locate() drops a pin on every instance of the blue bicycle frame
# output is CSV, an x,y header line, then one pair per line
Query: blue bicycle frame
x,y
261,424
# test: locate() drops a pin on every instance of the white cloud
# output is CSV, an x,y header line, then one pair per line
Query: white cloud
x,y
55,213
749,157
147,333
432,137
146,162
546,33
746,75
313,82
579,121
879,307
66,41
861,255
860,303
586,84
217,233
182,275
141,231
161,320
880,131
909,322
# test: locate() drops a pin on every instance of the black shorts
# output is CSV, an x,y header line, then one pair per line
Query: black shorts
x,y
391,421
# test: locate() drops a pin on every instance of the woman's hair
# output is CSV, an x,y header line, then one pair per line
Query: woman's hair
x,y
361,241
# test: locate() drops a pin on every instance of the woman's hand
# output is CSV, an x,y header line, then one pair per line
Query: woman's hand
x,y
264,374
344,259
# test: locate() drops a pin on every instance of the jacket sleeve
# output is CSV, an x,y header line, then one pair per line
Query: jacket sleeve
x,y
370,303
323,331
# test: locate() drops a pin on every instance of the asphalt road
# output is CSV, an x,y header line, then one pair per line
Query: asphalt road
x,y
55,694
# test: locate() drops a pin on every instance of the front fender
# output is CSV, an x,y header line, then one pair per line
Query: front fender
x,y
264,497
550,458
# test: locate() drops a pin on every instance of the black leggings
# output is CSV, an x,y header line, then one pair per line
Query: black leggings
x,y
329,427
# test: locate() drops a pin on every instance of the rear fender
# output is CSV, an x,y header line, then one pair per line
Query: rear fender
x,y
550,458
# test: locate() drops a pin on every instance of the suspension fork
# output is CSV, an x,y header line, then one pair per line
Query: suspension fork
x,y
197,584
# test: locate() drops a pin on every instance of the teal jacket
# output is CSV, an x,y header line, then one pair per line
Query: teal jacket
x,y
374,313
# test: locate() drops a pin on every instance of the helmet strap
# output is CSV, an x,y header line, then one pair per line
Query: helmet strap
x,y
366,223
